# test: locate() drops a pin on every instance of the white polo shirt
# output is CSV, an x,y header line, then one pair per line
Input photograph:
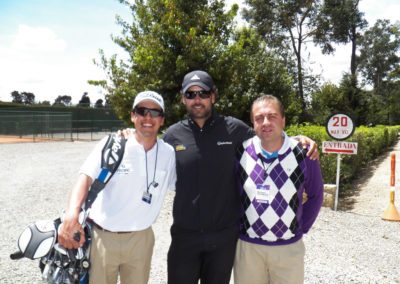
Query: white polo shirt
x,y
119,206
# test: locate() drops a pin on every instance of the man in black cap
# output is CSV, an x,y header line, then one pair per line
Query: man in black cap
x,y
206,206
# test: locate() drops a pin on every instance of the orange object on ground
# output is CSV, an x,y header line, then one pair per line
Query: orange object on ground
x,y
391,213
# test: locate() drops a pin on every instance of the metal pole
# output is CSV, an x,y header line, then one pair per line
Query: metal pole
x,y
337,180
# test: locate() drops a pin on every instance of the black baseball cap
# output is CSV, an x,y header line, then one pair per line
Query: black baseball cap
x,y
197,78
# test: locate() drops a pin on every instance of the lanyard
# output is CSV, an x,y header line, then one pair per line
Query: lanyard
x,y
153,183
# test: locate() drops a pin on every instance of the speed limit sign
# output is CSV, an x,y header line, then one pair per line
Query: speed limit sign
x,y
340,126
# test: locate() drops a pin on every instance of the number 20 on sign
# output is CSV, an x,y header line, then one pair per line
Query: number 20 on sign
x,y
340,126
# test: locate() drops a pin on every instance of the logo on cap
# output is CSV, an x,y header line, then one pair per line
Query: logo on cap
x,y
153,96
149,95
195,77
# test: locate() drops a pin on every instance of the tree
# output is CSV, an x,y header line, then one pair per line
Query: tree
x,y
170,38
379,61
29,98
165,40
327,100
340,21
17,97
45,103
251,70
85,100
343,98
62,101
283,24
394,103
99,104
356,99
26,98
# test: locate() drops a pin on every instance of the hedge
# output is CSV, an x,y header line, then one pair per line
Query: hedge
x,y
372,142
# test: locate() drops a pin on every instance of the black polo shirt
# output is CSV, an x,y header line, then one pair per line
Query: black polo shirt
x,y
207,196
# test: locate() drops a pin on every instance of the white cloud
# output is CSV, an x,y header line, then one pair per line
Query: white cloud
x,y
40,39
37,60
51,58
374,10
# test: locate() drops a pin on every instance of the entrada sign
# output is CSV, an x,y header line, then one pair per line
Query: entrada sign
x,y
339,147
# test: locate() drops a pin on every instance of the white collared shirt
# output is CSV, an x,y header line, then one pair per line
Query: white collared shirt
x,y
119,206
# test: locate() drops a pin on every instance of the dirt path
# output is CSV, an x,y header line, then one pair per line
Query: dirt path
x,y
370,195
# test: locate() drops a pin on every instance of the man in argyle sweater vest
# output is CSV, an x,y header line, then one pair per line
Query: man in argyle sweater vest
x,y
274,172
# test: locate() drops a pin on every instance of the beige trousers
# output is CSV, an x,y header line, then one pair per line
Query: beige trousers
x,y
126,254
260,264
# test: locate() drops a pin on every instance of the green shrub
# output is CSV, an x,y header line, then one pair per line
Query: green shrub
x,y
372,141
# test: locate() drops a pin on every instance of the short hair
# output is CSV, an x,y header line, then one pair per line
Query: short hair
x,y
267,98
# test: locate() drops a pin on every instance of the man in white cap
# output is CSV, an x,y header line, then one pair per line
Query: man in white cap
x,y
123,212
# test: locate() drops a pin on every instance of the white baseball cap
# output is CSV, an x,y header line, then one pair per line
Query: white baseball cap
x,y
151,96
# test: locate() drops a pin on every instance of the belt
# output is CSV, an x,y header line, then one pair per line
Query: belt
x,y
104,230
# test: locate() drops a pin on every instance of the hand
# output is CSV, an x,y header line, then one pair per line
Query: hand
x,y
312,153
125,132
66,233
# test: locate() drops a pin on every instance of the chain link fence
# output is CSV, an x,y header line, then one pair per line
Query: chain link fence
x,y
40,126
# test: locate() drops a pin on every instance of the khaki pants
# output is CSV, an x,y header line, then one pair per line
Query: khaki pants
x,y
260,264
128,254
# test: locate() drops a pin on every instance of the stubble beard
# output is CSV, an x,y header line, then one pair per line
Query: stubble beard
x,y
202,113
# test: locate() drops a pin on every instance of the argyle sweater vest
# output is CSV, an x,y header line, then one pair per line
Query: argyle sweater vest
x,y
271,192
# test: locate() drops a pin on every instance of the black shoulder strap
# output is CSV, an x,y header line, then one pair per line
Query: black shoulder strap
x,y
111,157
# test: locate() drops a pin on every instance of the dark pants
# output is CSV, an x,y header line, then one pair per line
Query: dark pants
x,y
198,255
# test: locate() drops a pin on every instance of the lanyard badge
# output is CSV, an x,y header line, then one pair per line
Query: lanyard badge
x,y
147,197
263,193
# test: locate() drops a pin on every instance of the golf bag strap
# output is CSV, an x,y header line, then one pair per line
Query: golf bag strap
x,y
111,157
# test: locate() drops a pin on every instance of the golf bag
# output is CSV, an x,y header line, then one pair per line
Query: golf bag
x,y
39,240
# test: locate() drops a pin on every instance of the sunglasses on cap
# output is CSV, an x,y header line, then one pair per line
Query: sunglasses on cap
x,y
203,94
143,111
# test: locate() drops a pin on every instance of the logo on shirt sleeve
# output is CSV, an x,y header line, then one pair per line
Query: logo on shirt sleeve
x,y
180,147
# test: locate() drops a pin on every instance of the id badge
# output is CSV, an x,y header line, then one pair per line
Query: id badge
x,y
262,193
147,197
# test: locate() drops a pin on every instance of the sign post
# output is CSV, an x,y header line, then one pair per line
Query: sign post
x,y
337,180
339,127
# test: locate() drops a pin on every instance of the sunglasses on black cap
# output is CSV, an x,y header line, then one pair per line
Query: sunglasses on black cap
x,y
203,94
143,111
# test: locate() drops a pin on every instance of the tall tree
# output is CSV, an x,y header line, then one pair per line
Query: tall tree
x,y
340,21
379,60
285,23
165,40
251,70
379,63
169,38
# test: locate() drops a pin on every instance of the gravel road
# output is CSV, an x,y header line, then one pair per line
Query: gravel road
x,y
351,245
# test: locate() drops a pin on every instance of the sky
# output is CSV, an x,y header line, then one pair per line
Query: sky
x,y
47,47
